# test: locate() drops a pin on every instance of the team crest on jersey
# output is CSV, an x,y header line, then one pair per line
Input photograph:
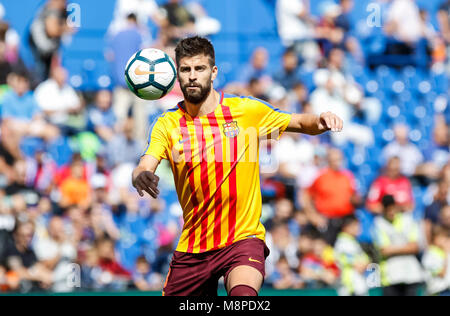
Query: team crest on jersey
x,y
231,130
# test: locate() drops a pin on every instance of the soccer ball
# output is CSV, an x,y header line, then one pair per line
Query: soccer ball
x,y
150,74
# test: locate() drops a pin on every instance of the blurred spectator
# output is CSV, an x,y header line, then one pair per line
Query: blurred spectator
x,y
317,268
140,11
327,31
351,259
410,156
124,148
288,75
297,168
91,273
281,244
392,182
10,38
179,22
296,28
436,264
144,278
404,25
284,213
256,68
331,197
334,93
114,276
256,89
7,163
21,114
101,117
57,252
40,172
57,99
75,189
396,236
299,97
122,46
102,223
20,258
443,17
204,24
284,277
433,211
437,153
46,31
444,217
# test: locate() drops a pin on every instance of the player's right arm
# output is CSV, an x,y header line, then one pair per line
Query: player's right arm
x,y
144,177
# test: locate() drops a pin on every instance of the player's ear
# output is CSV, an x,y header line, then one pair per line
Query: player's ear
x,y
215,72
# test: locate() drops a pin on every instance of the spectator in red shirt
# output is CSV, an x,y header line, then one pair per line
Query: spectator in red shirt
x,y
391,183
331,197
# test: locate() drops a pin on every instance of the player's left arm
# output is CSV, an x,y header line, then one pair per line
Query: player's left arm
x,y
312,124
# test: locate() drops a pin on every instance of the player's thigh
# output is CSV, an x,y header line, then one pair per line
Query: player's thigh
x,y
244,275
247,264
189,276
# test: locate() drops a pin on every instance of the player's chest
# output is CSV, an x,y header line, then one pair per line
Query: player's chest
x,y
209,137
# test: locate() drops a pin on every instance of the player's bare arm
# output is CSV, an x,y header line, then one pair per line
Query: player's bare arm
x,y
312,124
144,177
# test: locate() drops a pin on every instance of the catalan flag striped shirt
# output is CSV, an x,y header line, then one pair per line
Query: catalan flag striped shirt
x,y
215,163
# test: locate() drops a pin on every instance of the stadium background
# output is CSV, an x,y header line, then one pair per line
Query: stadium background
x,y
408,90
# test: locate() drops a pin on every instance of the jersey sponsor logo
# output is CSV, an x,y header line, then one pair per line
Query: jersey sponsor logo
x,y
231,130
139,72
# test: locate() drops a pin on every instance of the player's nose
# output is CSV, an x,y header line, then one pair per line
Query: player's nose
x,y
193,75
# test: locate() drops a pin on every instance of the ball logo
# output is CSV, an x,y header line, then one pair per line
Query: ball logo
x,y
139,72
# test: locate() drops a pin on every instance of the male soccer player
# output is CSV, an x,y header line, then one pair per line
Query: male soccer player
x,y
211,142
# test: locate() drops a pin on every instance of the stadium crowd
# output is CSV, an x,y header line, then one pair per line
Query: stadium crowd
x,y
339,209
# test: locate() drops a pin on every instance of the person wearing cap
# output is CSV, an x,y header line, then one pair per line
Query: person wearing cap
x,y
396,237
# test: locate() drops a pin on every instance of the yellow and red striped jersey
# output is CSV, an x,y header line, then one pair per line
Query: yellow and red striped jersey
x,y
215,164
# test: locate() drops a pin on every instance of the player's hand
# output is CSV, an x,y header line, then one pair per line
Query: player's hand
x,y
147,181
330,122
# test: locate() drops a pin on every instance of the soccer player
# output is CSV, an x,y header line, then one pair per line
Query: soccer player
x,y
211,142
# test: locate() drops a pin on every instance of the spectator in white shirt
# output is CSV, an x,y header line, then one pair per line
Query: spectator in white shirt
x,y
143,9
296,28
56,98
404,22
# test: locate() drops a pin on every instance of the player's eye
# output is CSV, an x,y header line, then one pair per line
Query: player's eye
x,y
185,69
200,68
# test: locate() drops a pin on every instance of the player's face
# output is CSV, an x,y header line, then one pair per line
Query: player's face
x,y
196,77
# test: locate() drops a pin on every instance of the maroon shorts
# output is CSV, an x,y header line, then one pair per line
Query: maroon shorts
x,y
198,274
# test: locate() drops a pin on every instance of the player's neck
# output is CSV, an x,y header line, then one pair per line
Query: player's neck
x,y
204,108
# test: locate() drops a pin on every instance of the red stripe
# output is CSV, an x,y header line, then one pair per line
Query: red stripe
x,y
205,183
188,157
219,178
232,179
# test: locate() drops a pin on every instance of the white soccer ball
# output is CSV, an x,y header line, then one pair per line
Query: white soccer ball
x,y
150,74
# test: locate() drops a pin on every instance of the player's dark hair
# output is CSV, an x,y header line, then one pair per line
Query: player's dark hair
x,y
193,46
